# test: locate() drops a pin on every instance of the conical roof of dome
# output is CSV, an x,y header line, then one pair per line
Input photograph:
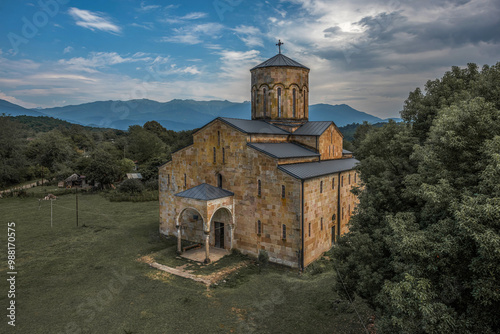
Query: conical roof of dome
x,y
279,60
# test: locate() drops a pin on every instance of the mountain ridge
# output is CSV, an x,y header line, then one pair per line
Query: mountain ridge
x,y
176,114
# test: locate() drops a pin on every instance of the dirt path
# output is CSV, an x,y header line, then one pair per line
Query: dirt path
x,y
181,271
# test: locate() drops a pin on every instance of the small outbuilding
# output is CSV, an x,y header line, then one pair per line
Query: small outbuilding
x,y
75,180
137,176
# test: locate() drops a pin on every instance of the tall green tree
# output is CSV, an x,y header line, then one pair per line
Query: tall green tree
x,y
52,150
103,168
13,162
144,145
423,246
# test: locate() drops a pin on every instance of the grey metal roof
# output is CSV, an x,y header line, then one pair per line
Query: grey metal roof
x,y
205,192
309,170
313,128
279,60
346,152
254,126
283,150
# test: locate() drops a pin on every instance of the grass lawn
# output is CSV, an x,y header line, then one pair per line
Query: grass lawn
x,y
87,279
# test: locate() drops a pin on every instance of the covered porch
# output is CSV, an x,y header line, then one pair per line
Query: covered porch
x,y
205,218
199,254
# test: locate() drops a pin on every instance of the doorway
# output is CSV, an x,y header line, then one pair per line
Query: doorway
x,y
219,234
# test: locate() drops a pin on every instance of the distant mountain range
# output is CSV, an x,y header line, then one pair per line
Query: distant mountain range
x,y
174,115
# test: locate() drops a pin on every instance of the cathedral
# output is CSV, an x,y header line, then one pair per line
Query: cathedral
x,y
277,183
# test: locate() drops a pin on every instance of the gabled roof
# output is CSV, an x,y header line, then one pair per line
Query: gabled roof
x,y
283,150
313,128
279,60
308,170
254,126
205,192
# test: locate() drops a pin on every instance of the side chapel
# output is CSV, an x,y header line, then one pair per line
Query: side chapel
x,y
276,183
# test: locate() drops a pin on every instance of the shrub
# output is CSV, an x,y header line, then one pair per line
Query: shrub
x,y
131,186
151,184
263,257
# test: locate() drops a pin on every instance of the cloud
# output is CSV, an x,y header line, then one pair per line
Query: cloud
x,y
236,64
193,34
144,25
97,60
188,17
250,35
68,49
93,20
21,103
147,8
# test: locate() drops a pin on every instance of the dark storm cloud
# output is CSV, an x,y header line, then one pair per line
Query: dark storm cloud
x,y
390,34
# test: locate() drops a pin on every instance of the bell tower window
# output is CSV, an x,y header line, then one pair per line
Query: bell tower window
x,y
265,102
294,103
279,102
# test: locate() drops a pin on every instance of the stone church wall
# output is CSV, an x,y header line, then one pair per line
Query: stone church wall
x,y
240,169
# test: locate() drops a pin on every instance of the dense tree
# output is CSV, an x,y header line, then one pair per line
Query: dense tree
x,y
143,144
103,168
51,150
423,246
13,162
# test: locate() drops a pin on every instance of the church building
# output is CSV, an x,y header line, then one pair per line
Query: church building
x,y
277,183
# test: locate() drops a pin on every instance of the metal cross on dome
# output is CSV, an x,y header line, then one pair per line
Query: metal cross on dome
x,y
279,45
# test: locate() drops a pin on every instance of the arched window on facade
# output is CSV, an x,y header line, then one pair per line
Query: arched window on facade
x,y
219,180
259,227
294,103
264,92
279,102
321,187
283,192
333,183
259,188
223,155
283,232
305,102
218,138
185,181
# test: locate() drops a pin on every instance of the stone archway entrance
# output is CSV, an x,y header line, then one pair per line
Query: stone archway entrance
x,y
221,228
214,206
191,224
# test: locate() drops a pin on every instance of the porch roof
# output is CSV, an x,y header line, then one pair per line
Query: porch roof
x,y
205,192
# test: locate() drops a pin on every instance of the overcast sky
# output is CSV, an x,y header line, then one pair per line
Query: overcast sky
x,y
364,53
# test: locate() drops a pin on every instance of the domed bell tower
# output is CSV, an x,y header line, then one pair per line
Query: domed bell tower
x,y
280,91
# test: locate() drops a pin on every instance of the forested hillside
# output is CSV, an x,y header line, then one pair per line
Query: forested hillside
x,y
36,147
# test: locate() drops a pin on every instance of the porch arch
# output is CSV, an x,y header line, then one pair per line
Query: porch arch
x,y
222,228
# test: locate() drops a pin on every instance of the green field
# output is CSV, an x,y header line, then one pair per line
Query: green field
x,y
87,279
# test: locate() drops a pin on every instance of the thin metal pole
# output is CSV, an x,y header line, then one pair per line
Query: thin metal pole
x,y
76,207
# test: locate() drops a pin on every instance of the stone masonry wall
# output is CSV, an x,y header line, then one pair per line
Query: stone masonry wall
x,y
241,168
330,143
286,78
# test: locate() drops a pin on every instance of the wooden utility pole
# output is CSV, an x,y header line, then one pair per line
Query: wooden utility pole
x,y
76,207
51,212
